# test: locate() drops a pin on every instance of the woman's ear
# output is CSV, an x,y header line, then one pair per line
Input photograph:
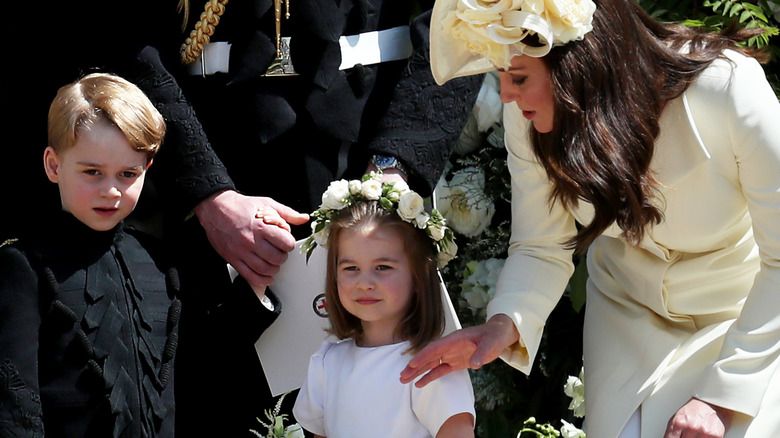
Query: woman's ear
x,y
51,163
149,164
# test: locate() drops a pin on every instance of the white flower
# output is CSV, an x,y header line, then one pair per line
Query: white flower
x,y
320,237
410,206
401,187
336,195
446,253
570,19
496,29
436,232
355,186
569,430
464,203
479,283
422,220
575,388
371,189
293,431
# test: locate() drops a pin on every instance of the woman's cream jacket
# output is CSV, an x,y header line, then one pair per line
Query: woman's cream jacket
x,y
695,309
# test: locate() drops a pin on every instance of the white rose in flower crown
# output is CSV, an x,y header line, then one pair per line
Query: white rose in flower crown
x,y
446,254
355,186
401,187
464,203
436,232
335,196
371,189
320,237
410,206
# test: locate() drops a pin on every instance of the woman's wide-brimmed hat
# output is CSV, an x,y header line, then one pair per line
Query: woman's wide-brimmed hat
x,y
475,36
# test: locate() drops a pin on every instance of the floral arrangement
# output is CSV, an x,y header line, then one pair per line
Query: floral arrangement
x,y
275,428
474,196
496,29
394,197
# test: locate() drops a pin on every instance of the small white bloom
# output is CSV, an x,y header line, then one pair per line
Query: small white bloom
x,y
569,430
293,431
321,237
355,186
575,388
371,189
422,220
436,231
446,254
336,195
401,186
410,206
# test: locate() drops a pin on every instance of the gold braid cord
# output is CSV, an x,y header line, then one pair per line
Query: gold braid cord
x,y
200,36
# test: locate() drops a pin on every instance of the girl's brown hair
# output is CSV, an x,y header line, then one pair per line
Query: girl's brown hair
x,y
609,90
424,320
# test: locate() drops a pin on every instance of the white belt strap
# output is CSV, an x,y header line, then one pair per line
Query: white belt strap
x,y
375,47
217,59
366,48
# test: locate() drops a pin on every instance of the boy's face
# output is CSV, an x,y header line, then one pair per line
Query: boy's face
x,y
100,178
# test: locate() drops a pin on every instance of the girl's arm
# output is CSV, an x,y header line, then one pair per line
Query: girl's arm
x,y
458,426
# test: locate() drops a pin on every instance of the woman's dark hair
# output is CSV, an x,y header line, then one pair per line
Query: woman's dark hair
x,y
424,320
609,90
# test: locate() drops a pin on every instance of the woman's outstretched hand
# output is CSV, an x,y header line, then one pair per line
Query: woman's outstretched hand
x,y
470,347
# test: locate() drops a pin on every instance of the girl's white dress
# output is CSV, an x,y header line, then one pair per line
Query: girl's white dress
x,y
352,391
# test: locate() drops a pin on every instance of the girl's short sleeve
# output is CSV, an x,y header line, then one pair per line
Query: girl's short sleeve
x,y
443,398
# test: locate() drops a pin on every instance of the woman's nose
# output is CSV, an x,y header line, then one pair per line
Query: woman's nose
x,y
507,91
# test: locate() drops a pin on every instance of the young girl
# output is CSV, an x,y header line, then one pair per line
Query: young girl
x,y
384,302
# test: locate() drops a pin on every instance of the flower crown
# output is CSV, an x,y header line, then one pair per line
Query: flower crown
x,y
475,36
393,197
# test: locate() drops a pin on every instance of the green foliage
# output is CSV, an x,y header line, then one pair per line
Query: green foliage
x,y
716,15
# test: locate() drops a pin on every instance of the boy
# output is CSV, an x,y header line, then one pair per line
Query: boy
x,y
88,315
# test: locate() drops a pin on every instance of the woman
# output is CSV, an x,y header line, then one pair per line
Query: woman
x,y
664,144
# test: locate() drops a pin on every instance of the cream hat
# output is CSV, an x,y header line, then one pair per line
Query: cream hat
x,y
475,36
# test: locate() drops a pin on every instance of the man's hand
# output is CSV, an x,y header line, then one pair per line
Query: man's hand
x,y
244,232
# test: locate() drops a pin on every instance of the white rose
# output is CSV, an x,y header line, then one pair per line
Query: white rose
x,y
335,196
447,254
371,189
464,203
569,430
436,232
355,186
422,220
401,186
320,237
410,206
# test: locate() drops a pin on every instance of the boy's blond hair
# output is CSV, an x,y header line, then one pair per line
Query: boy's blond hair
x,y
102,97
